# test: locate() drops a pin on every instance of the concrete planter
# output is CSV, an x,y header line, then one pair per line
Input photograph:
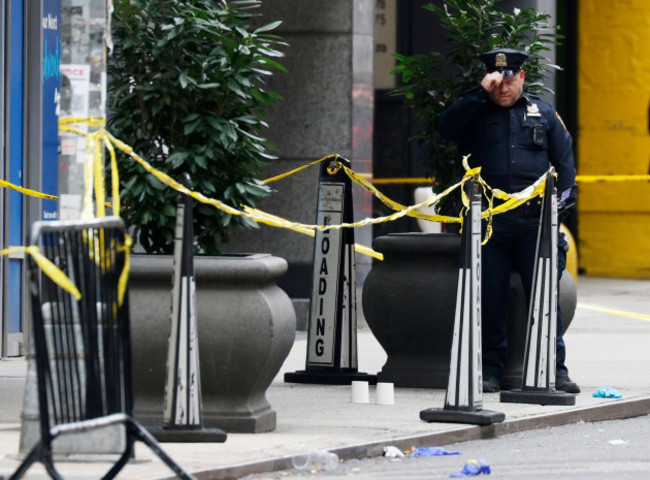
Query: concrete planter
x,y
246,327
409,301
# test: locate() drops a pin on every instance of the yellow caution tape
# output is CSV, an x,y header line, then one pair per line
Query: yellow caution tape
x,y
55,274
115,181
94,181
27,191
94,166
93,176
411,211
361,181
169,181
511,201
96,178
248,212
579,179
90,121
124,276
273,220
296,170
37,194
98,170
51,270
403,180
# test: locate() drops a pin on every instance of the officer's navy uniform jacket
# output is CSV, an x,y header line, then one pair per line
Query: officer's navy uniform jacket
x,y
515,146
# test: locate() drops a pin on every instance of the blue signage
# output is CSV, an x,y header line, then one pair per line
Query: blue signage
x,y
51,22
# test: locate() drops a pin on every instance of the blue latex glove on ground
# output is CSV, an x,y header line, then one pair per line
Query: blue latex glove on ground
x,y
606,392
472,468
431,452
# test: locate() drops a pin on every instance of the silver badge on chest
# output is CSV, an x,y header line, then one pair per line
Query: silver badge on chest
x,y
532,110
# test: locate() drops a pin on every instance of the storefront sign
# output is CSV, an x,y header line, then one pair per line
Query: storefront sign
x,y
51,95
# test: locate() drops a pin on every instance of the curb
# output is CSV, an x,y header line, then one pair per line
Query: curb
x,y
617,410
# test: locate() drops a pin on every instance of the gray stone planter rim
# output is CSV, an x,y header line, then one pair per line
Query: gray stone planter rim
x,y
229,266
418,243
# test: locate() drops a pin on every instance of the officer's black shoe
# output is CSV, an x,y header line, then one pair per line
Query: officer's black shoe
x,y
491,385
564,383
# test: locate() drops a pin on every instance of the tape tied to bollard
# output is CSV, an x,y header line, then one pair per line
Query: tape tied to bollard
x,y
94,181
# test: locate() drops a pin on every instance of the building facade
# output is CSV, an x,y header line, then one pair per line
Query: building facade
x,y
21,153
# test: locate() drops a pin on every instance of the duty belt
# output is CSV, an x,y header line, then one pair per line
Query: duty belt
x,y
532,208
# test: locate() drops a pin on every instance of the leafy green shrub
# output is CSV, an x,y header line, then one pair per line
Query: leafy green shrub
x,y
187,92
432,82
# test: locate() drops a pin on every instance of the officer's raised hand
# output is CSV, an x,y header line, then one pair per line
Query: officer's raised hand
x,y
491,81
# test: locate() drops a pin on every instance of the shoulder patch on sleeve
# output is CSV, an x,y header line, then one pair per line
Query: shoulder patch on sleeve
x,y
561,122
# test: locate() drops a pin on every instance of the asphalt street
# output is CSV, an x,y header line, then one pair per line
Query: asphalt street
x,y
580,451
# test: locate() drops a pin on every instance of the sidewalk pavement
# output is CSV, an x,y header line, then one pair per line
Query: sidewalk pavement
x,y
607,346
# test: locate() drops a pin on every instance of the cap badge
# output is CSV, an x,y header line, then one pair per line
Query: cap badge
x,y
501,60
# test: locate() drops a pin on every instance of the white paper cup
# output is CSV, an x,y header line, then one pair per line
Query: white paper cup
x,y
359,392
385,393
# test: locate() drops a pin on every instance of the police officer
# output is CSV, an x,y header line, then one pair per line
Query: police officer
x,y
515,138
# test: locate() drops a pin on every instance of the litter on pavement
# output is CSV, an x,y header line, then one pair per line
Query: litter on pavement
x,y
617,441
607,392
472,468
392,452
431,452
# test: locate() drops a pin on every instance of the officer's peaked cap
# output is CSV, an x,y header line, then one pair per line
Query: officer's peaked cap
x,y
507,61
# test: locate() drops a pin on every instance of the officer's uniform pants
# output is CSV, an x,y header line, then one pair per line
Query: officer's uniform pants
x,y
512,246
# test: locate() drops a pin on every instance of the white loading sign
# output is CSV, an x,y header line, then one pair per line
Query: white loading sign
x,y
325,290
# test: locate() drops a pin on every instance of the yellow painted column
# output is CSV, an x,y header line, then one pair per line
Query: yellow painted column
x,y
614,136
